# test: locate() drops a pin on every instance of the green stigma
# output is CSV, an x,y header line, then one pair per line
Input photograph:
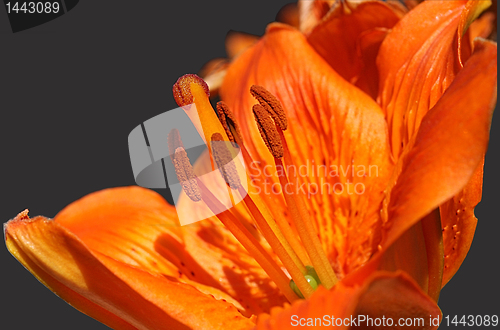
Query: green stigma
x,y
312,272
311,277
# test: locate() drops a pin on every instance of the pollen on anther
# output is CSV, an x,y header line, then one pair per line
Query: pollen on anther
x,y
228,121
224,160
185,175
268,131
271,104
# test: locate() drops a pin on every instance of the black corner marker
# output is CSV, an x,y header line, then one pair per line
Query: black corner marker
x,y
27,14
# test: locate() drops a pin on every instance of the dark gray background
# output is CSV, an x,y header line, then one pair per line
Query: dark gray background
x,y
72,90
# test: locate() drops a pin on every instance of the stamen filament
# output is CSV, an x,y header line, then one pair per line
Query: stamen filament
x,y
283,231
197,191
268,227
302,230
269,132
274,237
326,271
271,121
289,236
261,203
284,227
249,242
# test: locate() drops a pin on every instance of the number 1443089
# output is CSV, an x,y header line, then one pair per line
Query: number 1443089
x,y
471,320
41,7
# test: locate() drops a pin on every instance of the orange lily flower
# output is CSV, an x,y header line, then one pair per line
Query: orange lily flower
x,y
419,112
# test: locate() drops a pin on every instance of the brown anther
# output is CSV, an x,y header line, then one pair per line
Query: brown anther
x,y
174,141
185,174
224,160
268,131
182,89
271,104
228,122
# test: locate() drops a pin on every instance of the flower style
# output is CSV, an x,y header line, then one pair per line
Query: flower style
x,y
357,85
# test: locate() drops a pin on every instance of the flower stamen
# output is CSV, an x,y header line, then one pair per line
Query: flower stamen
x,y
186,175
266,225
223,138
283,231
285,252
249,242
228,121
224,161
197,191
267,131
271,104
270,132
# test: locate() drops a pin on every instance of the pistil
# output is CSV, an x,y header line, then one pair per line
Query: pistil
x,y
191,89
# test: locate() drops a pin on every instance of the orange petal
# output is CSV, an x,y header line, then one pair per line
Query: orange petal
x,y
418,61
76,300
449,146
368,46
418,252
312,12
459,223
138,227
213,72
398,297
237,42
345,126
124,224
109,290
289,14
336,37
385,295
483,26
431,226
408,253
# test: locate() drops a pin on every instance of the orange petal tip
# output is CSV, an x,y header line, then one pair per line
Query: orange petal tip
x,y
182,89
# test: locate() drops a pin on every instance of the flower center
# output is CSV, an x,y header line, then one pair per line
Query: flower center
x,y
223,137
